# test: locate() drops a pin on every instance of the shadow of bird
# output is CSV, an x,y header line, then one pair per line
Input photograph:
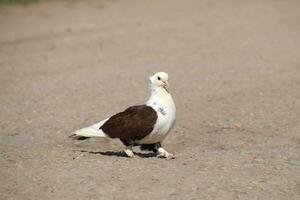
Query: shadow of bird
x,y
119,153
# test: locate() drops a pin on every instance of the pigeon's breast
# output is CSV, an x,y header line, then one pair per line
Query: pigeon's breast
x,y
165,120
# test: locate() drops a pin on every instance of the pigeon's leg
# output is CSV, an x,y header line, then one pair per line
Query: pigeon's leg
x,y
156,148
128,151
151,147
164,154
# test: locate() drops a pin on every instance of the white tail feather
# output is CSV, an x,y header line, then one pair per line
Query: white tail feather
x,y
91,131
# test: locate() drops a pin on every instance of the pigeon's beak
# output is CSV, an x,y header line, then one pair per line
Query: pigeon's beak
x,y
166,84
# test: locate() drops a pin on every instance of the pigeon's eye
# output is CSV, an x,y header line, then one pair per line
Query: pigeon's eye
x,y
158,78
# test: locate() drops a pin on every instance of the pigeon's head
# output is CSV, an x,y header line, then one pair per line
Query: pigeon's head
x,y
159,79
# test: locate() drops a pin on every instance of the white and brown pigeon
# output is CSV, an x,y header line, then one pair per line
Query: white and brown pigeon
x,y
142,125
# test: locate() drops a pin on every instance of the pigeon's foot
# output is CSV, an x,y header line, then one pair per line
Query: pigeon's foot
x,y
164,154
129,153
168,156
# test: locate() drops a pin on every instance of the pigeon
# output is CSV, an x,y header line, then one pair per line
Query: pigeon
x,y
144,125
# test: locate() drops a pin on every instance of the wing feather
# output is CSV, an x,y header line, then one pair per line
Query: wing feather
x,y
134,123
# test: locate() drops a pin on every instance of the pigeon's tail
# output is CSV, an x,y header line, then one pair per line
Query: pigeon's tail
x,y
91,131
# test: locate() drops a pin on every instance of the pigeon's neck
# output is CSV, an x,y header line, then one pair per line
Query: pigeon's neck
x,y
160,94
156,89
159,91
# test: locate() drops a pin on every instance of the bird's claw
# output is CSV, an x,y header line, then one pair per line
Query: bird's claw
x,y
168,156
129,153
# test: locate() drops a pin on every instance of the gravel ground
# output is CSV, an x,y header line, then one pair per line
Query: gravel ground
x,y
234,71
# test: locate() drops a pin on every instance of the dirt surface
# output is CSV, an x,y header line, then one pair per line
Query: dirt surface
x,y
234,71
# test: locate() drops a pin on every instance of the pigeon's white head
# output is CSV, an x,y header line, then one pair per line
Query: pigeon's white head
x,y
159,79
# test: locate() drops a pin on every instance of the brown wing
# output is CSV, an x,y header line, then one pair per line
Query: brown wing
x,y
134,123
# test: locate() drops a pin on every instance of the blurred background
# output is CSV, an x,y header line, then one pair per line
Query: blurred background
x,y
234,69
